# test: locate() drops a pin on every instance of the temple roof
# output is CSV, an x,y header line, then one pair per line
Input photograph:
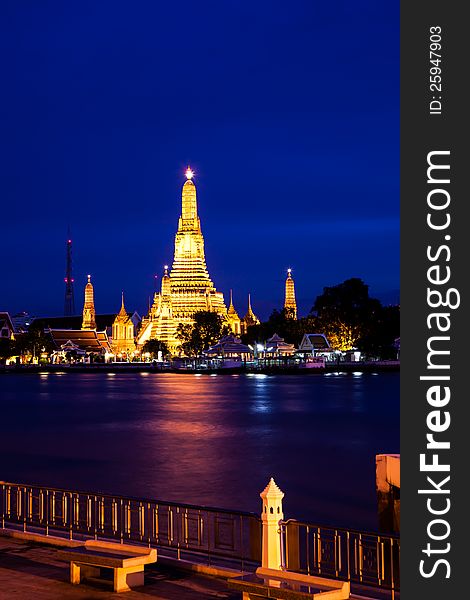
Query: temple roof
x,y
276,339
272,490
250,318
231,309
122,316
75,322
277,344
314,340
88,340
229,344
6,323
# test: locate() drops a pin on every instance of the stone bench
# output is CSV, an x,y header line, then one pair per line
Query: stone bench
x,y
126,561
286,585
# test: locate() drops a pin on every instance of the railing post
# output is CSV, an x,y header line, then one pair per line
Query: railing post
x,y
3,506
272,513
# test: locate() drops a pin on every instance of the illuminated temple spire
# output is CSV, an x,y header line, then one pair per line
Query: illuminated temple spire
x,y
187,288
231,309
89,321
191,287
122,312
290,305
166,284
189,219
232,317
250,318
123,333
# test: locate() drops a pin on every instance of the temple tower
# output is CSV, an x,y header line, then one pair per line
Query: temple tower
x,y
187,288
250,318
89,321
123,333
191,287
290,305
232,318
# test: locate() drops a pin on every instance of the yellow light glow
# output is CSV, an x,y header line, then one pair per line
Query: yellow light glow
x,y
189,173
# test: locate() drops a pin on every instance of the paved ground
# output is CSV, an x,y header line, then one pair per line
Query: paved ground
x,y
32,572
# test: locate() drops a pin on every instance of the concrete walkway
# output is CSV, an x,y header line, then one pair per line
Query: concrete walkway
x,y
31,571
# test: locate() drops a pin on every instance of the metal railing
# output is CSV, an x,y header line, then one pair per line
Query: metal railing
x,y
210,535
365,559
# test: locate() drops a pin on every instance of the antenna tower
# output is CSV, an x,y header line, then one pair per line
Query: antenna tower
x,y
69,304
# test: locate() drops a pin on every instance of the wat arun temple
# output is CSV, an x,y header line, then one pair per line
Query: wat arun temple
x,y
187,288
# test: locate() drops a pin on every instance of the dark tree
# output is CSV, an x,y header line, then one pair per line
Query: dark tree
x,y
34,342
346,313
384,329
7,349
207,329
282,323
153,347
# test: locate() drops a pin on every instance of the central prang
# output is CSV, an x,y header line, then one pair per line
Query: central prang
x,y
187,289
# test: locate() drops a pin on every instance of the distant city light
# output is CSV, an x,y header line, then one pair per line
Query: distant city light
x,y
189,173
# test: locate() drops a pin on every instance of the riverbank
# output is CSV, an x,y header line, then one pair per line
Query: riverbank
x,y
345,367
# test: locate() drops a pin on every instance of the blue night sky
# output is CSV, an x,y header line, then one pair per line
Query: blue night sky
x,y
287,111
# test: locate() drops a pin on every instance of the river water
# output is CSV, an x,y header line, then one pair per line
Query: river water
x,y
202,439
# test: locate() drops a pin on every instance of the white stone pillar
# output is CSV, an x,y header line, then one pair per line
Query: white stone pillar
x,y
272,513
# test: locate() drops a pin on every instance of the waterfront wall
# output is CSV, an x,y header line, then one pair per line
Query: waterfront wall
x,y
388,491
375,366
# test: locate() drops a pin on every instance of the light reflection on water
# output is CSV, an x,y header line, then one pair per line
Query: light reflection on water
x,y
206,440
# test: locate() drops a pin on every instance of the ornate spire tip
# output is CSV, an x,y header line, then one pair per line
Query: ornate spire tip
x,y
189,173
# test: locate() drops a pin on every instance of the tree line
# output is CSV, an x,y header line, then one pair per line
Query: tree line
x,y
346,314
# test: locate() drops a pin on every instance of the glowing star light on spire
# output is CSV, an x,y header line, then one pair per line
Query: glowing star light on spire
x,y
189,173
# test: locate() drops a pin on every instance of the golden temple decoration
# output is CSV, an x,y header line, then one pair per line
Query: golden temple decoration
x,y
250,318
89,316
233,319
290,305
187,289
123,333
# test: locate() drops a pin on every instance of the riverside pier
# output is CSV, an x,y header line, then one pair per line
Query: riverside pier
x,y
270,367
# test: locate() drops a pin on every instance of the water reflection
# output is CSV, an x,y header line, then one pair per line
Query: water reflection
x,y
206,440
